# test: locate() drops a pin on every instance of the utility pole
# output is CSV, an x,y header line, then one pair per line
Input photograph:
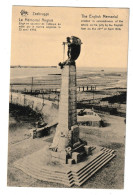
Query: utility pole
x,y
11,93
63,51
43,99
32,85
93,88
24,100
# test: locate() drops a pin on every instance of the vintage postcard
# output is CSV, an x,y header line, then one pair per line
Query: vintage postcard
x,y
67,104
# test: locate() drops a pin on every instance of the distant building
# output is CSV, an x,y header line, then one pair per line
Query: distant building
x,y
88,117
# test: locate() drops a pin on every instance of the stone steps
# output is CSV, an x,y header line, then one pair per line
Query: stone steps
x,y
80,171
45,175
89,165
79,180
35,165
107,150
40,167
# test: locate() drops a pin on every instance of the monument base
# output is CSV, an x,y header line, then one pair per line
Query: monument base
x,y
72,155
40,165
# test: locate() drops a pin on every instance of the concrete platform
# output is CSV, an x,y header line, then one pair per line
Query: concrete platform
x,y
40,166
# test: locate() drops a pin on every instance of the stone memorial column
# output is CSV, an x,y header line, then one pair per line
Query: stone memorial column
x,y
67,132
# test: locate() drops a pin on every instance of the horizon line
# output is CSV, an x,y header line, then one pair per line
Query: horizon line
x,y
43,66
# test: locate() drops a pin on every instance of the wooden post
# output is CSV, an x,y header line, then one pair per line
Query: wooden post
x,y
32,85
24,99
43,98
87,88
11,93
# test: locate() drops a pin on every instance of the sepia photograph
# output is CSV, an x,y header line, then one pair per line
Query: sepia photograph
x,y
68,95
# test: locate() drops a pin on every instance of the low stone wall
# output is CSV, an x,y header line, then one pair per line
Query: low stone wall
x,y
91,123
48,109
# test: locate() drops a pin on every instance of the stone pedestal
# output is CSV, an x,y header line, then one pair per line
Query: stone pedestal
x,y
66,143
67,132
40,165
